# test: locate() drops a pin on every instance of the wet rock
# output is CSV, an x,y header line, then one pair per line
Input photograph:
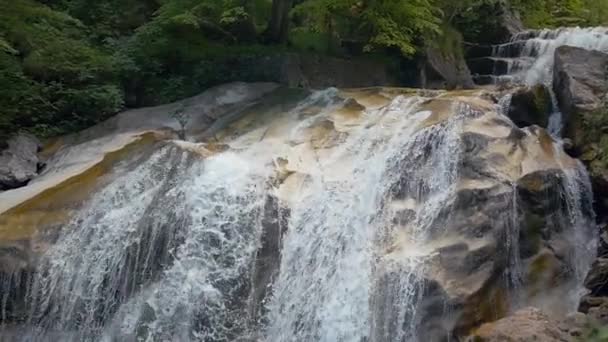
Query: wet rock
x,y
19,162
529,324
580,82
568,145
268,258
488,66
575,324
602,246
530,106
596,308
597,279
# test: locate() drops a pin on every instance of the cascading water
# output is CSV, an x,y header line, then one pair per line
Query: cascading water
x,y
529,59
149,258
530,56
330,258
169,248
534,63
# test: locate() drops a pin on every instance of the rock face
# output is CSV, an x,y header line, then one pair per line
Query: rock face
x,y
446,60
503,23
317,71
525,325
19,162
581,86
596,308
595,304
580,83
597,279
530,106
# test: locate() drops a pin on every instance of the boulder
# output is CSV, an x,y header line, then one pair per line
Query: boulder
x,y
580,79
597,279
580,82
19,162
596,308
529,324
530,106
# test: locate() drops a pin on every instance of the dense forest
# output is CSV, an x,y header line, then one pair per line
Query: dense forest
x,y
67,64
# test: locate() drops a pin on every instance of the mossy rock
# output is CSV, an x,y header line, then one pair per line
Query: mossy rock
x,y
531,106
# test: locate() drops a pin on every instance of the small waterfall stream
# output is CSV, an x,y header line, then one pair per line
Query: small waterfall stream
x,y
529,58
533,64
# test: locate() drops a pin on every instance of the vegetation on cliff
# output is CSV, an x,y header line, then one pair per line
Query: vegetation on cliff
x,y
66,64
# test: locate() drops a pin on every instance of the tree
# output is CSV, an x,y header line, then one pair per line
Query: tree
x,y
182,119
377,23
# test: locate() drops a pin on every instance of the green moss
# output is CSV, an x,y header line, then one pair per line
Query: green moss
x,y
449,43
591,129
542,99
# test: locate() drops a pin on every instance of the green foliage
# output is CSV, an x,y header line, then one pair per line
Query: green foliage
x,y
310,41
596,334
53,79
555,13
378,23
67,64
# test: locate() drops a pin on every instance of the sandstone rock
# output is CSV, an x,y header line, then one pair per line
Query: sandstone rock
x,y
530,106
19,162
526,325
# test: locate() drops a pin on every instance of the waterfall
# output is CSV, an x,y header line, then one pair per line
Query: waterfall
x,y
576,212
529,58
538,49
153,256
380,204
334,257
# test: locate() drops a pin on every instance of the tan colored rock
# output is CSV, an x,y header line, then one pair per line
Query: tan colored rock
x,y
526,325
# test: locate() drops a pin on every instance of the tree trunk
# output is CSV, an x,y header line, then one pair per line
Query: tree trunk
x,y
278,27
